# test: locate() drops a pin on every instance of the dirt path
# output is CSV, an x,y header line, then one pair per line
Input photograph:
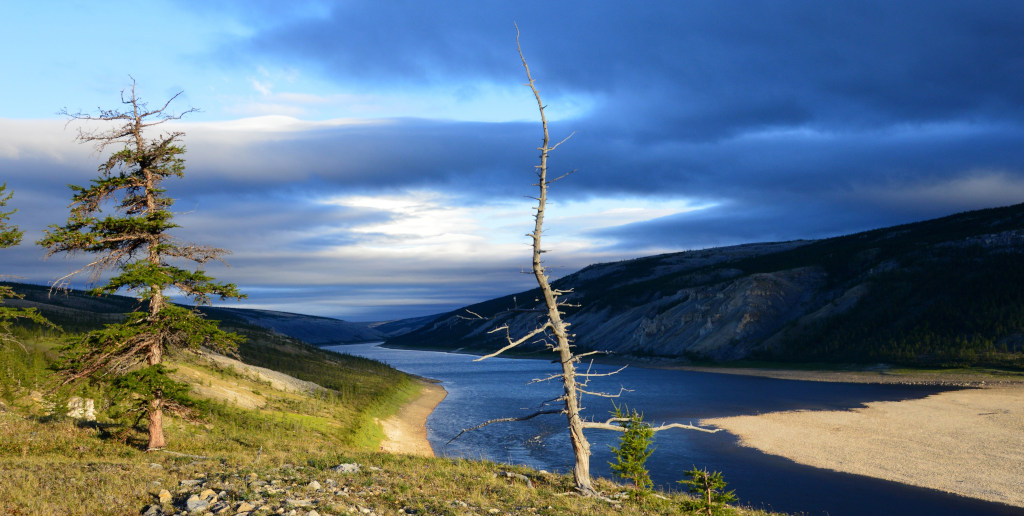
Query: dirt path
x,y
969,442
407,431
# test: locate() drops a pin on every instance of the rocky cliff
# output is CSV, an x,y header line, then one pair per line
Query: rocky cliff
x,y
859,297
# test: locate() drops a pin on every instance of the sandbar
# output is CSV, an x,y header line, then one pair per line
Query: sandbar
x,y
969,442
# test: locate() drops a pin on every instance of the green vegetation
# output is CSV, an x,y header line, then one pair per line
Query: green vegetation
x,y
241,428
709,487
123,220
10,236
633,450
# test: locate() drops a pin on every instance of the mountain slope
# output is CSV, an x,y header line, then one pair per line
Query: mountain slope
x,y
946,291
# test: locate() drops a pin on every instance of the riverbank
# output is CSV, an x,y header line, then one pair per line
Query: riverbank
x,y
966,442
883,375
406,431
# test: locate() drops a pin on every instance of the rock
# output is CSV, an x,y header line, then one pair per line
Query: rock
x,y
165,496
153,465
245,507
209,495
313,513
347,468
153,510
517,476
314,485
191,483
196,504
298,502
82,409
220,507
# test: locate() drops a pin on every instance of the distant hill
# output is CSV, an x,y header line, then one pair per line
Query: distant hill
x,y
78,311
948,291
311,329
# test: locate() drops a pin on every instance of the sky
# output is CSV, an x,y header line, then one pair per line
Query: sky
x,y
373,160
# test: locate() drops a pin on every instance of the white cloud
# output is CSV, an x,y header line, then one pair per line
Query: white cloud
x,y
971,190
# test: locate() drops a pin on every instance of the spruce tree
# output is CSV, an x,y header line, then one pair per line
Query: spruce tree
x,y
709,488
633,451
123,220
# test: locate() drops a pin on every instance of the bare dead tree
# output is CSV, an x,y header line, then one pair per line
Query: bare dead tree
x,y
554,330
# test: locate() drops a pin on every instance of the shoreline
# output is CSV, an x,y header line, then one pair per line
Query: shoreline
x,y
881,375
965,442
406,431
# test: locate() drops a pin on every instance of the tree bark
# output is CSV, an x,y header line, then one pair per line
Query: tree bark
x,y
156,425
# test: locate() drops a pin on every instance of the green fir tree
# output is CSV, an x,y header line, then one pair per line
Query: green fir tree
x,y
123,221
711,499
633,451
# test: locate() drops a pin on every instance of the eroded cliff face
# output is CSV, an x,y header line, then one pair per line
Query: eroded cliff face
x,y
723,322
628,308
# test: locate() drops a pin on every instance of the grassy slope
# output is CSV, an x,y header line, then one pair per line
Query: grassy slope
x,y
52,465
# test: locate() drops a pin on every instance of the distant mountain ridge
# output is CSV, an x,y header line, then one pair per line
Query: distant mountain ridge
x,y
77,311
948,291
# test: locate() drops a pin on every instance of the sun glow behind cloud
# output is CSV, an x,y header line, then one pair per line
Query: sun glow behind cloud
x,y
433,224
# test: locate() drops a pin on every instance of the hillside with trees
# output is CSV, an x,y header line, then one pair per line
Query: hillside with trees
x,y
945,292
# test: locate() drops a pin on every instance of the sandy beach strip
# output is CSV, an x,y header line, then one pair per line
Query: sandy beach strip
x,y
406,431
969,442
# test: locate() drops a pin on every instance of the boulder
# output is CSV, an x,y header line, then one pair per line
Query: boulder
x,y
82,409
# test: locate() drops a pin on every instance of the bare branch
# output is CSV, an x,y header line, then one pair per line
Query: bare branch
x,y
588,374
605,394
505,420
511,343
555,146
617,428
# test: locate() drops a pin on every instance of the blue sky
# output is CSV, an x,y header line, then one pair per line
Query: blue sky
x,y
371,160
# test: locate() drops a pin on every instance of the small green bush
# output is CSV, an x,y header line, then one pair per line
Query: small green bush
x,y
708,487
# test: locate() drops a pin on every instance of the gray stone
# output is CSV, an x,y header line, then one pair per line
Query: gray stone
x,y
347,468
82,409
296,502
314,485
153,510
313,513
191,483
196,504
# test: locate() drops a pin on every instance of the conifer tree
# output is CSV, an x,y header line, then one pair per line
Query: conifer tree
x,y
10,236
123,220
633,450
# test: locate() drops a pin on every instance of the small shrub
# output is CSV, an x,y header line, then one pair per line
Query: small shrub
x,y
708,486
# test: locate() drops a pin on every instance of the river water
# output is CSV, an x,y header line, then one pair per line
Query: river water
x,y
499,387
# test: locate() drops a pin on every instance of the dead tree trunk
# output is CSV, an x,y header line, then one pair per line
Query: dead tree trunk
x,y
555,329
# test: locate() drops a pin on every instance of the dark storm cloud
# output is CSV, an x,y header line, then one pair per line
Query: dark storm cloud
x,y
689,69
712,100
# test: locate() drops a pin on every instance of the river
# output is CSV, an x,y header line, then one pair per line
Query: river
x,y
499,387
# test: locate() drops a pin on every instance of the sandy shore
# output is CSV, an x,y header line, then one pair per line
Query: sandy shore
x,y
406,431
969,442
944,378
